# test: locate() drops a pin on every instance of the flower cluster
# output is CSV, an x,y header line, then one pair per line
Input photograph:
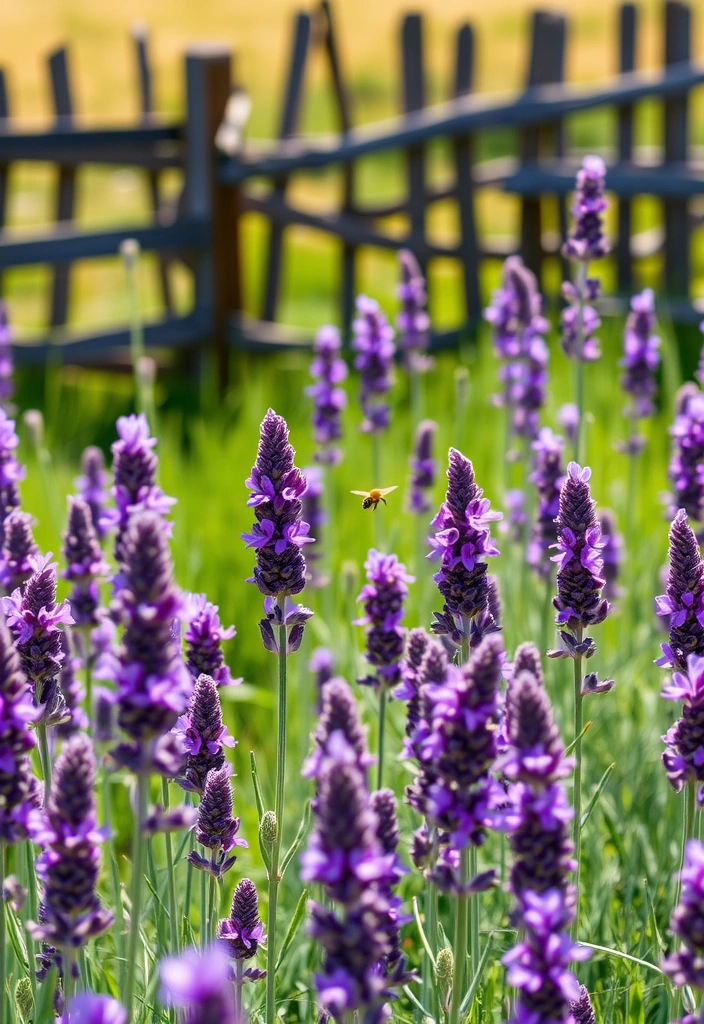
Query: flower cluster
x,y
200,983
204,736
329,400
18,549
314,514
216,829
279,533
683,756
462,538
686,965
579,561
72,691
11,472
548,476
153,684
687,458
641,358
374,345
134,466
519,325
413,322
338,722
16,743
85,565
423,468
683,601
92,486
383,596
204,635
69,864
242,932
412,677
35,618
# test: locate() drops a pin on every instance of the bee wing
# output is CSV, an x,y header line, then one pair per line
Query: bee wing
x,y
388,490
362,494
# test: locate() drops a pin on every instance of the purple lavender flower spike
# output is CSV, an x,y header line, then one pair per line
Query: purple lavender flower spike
x,y
87,1008
579,561
423,468
581,1009
92,486
683,756
687,433
35,619
204,736
216,829
153,684
314,514
548,477
338,719
538,966
686,965
200,983
412,677
413,322
461,541
7,384
373,343
383,803
578,325
329,370
85,566
134,488
18,548
683,601
69,865
641,358
587,241
516,317
11,472
242,932
611,554
204,635
383,596
72,692
322,667
17,711
279,533
568,418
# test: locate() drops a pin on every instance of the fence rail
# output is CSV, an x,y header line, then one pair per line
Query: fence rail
x,y
225,179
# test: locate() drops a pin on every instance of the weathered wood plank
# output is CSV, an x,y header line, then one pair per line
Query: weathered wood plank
x,y
464,179
414,99
627,33
66,184
678,28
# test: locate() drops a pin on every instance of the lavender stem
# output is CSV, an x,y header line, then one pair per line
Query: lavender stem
x,y
577,791
382,721
581,285
138,849
203,910
44,756
279,811
239,970
33,914
173,905
116,887
460,943
210,931
3,936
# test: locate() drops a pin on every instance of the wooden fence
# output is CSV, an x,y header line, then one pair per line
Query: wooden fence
x,y
203,230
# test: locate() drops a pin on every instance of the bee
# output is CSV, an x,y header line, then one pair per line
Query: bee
x,y
373,497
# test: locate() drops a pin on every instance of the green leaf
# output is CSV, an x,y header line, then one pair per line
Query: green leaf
x,y
470,993
298,916
423,937
575,741
45,999
300,836
597,793
257,788
622,956
15,931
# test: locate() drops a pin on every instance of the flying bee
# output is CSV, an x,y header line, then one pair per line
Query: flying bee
x,y
373,497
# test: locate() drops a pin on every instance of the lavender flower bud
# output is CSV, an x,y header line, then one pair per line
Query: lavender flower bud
x,y
10,470
204,736
587,241
683,757
16,742
686,966
92,486
72,692
687,433
462,538
84,564
339,718
269,828
200,982
527,659
579,581
423,468
279,533
18,549
641,356
328,399
411,678
204,635
548,477
683,601
581,1009
216,829
242,931
413,322
383,596
321,666
70,864
373,343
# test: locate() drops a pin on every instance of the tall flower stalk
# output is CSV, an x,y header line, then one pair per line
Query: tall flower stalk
x,y
278,536
585,244
579,604
413,325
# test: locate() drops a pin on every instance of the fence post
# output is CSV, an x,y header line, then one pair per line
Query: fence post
x,y
146,107
627,29
678,18
342,100
464,160
217,268
66,185
289,125
4,168
545,67
414,99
